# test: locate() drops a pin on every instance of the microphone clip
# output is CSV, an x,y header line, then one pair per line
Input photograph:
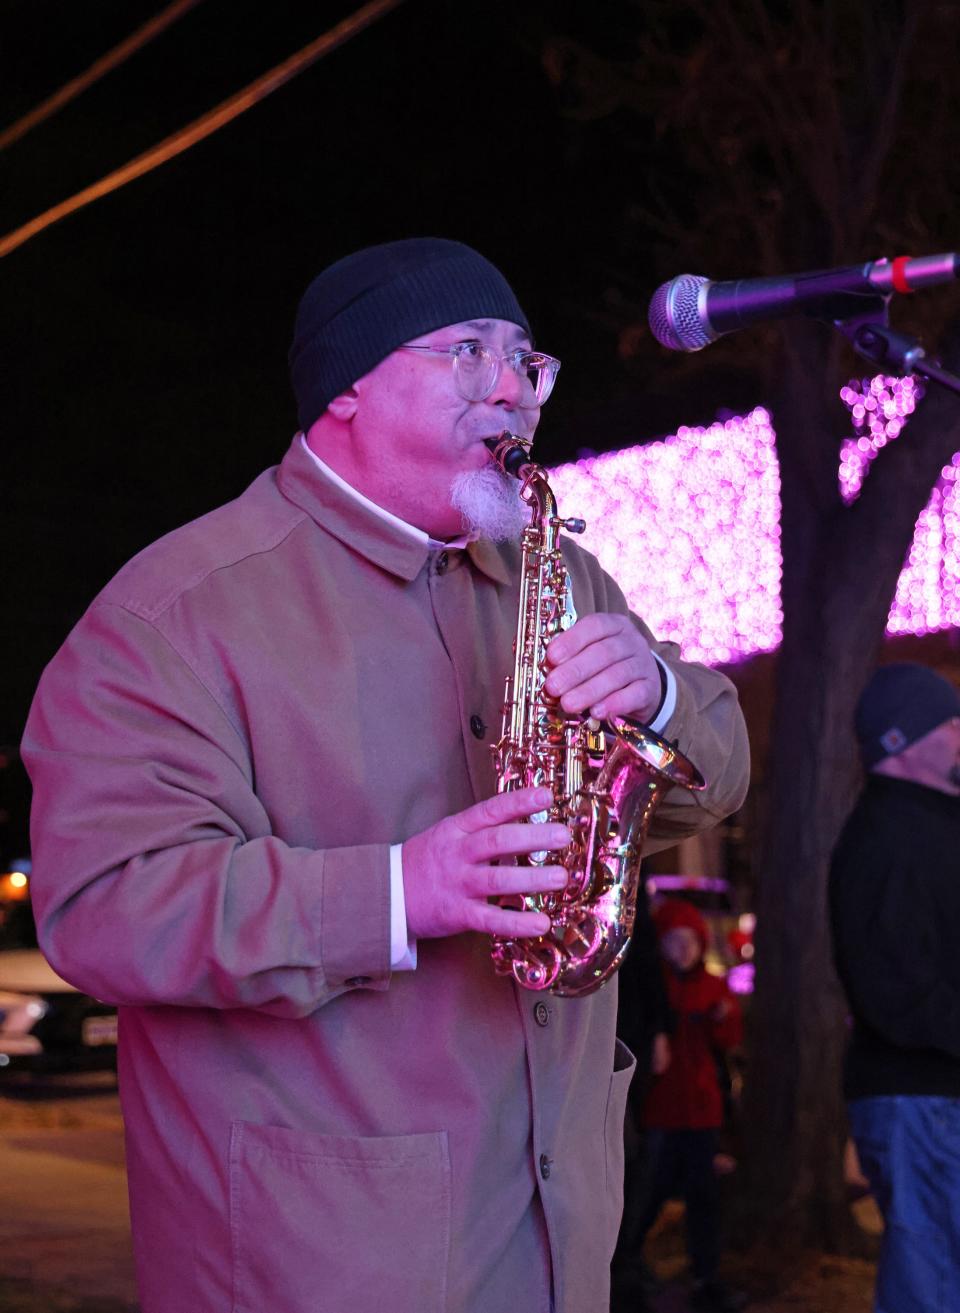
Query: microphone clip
x,y
871,336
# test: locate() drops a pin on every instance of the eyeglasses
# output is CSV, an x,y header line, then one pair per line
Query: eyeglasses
x,y
477,368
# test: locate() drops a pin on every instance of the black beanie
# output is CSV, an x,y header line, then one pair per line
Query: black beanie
x,y
366,305
902,703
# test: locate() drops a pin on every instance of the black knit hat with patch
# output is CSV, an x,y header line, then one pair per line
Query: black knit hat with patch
x,y
363,307
902,703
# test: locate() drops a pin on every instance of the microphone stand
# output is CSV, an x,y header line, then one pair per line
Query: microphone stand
x,y
872,337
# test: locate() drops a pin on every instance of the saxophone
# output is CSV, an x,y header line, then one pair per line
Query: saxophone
x,y
607,779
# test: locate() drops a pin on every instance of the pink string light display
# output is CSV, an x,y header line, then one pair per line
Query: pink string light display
x,y
690,529
879,408
928,590
690,526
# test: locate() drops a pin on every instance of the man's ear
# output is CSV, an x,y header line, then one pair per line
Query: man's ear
x,y
344,406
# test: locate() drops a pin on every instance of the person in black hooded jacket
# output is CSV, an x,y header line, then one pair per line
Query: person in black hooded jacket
x,y
895,913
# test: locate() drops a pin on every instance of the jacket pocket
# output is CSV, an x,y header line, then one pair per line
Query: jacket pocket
x,y
624,1066
323,1223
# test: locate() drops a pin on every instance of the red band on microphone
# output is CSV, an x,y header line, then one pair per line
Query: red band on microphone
x,y
900,283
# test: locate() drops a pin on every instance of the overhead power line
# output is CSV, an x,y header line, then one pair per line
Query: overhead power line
x,y
204,126
103,65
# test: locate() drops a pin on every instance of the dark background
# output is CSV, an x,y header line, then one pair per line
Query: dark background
x,y
146,338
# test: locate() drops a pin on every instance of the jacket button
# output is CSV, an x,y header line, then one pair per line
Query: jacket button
x,y
541,1014
355,981
443,560
545,1167
477,727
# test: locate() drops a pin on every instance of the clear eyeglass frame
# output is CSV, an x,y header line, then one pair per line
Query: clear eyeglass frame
x,y
477,368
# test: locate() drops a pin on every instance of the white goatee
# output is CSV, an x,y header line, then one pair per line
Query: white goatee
x,y
490,503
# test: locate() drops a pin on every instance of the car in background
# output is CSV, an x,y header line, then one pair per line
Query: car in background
x,y
45,1024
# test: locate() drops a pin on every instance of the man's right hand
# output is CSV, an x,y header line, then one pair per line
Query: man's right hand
x,y
449,872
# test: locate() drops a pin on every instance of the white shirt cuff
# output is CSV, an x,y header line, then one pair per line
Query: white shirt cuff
x,y
669,697
403,949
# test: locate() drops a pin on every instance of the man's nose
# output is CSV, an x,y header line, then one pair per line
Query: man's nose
x,y
508,391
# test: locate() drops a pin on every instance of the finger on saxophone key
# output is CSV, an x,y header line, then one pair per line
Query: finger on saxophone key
x,y
537,799
545,879
545,835
519,839
509,880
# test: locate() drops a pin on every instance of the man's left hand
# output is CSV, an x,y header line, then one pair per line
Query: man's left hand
x,y
602,665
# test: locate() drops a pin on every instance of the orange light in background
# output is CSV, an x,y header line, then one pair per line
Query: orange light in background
x,y
14,886
206,124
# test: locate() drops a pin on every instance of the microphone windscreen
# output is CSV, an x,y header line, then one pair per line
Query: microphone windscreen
x,y
674,315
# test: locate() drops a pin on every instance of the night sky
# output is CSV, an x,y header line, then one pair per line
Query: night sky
x,y
146,337
145,360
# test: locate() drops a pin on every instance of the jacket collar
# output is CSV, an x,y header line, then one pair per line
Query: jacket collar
x,y
487,557
392,546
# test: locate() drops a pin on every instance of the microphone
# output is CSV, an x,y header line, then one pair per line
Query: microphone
x,y
689,311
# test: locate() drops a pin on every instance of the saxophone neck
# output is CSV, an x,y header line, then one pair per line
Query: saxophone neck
x,y
512,455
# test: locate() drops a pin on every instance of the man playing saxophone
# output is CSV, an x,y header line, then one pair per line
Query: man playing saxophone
x,y
266,826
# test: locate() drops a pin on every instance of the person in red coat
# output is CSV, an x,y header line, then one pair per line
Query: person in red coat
x,y
683,1111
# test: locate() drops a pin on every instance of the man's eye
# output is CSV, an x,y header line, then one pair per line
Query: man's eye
x,y
471,350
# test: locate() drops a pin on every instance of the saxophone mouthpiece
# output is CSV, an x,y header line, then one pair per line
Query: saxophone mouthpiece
x,y
510,452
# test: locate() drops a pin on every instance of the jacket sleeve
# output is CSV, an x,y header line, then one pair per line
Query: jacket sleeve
x,y
156,878
706,724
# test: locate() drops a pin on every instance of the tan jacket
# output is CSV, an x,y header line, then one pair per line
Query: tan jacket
x,y
251,712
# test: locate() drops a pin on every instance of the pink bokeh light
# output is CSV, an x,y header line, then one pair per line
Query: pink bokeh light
x,y
879,408
928,590
690,527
